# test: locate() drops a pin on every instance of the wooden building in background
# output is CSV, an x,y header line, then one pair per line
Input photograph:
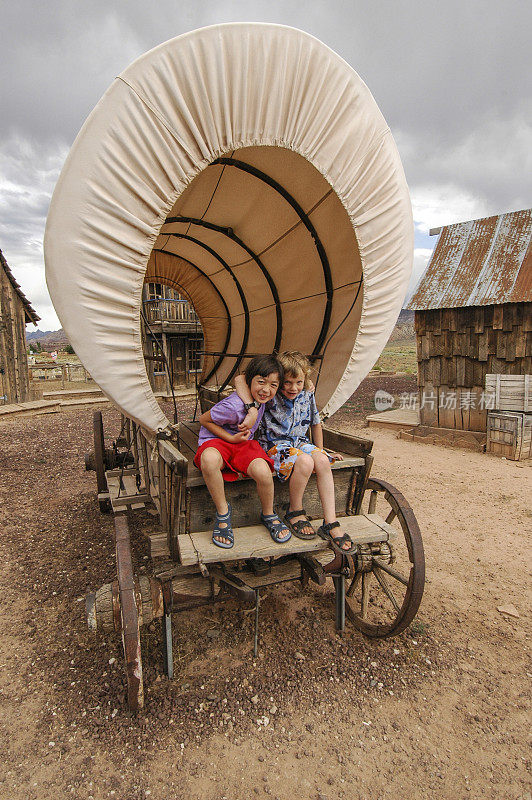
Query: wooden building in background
x,y
172,336
473,317
15,313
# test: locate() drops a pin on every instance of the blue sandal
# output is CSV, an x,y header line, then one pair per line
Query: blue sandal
x,y
224,533
275,527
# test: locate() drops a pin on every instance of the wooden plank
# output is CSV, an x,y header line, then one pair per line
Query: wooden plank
x,y
477,415
509,434
479,319
129,496
501,345
511,392
159,546
446,418
111,473
169,452
188,438
469,373
460,371
288,571
454,319
508,317
497,318
436,370
123,501
425,346
463,406
242,495
346,443
255,542
388,529
524,316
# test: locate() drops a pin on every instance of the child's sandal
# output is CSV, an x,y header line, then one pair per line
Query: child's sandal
x,y
336,541
276,528
298,527
223,533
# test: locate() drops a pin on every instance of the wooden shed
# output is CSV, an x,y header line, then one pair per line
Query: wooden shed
x,y
473,316
15,312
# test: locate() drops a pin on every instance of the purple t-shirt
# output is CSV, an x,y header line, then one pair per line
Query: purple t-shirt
x,y
228,413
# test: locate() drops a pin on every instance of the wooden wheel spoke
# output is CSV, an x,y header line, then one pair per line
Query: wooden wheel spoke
x,y
372,501
391,516
391,571
365,594
355,583
386,589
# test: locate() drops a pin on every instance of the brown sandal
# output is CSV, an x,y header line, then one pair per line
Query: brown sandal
x,y
298,527
336,542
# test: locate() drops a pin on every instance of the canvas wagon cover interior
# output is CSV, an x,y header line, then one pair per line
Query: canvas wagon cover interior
x,y
248,166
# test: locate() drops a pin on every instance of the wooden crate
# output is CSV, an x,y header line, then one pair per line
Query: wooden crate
x,y
509,434
510,392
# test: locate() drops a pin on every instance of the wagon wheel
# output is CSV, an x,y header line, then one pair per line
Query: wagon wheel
x,y
384,600
99,460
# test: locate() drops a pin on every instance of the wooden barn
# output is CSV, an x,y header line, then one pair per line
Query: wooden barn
x,y
473,317
15,312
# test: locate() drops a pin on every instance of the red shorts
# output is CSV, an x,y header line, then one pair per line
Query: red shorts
x,y
236,457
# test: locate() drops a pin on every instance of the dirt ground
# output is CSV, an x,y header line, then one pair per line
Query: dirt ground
x,y
441,711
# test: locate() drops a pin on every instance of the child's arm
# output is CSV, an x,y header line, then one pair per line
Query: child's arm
x,y
317,439
221,433
242,390
317,435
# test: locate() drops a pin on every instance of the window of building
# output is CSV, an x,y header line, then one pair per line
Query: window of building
x,y
195,356
155,291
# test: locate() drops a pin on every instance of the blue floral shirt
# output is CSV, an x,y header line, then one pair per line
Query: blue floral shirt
x,y
287,420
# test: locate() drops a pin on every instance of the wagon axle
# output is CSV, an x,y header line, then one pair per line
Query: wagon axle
x,y
111,459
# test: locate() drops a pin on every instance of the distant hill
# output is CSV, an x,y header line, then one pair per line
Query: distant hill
x,y
49,340
31,335
404,327
58,340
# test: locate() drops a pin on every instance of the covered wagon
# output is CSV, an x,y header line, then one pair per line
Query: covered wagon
x,y
248,167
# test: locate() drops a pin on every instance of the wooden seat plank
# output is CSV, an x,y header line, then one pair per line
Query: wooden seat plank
x,y
188,438
254,541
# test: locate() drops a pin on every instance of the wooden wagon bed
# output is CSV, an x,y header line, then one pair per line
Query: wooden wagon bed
x,y
193,543
189,571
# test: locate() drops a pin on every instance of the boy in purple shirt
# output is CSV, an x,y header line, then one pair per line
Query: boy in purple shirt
x,y
226,450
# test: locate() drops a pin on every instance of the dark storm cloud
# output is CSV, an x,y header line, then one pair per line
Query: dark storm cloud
x,y
452,79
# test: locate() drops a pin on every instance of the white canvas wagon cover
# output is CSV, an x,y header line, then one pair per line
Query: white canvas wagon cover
x,y
249,167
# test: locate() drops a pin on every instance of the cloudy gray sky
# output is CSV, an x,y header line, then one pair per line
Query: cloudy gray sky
x,y
453,80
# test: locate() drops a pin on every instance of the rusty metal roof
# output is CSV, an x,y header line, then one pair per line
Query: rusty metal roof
x,y
479,263
30,313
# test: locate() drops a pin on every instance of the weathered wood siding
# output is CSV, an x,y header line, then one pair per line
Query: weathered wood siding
x,y
509,434
457,348
14,380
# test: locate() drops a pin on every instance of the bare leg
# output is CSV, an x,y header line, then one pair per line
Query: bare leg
x,y
301,472
324,479
261,473
211,468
